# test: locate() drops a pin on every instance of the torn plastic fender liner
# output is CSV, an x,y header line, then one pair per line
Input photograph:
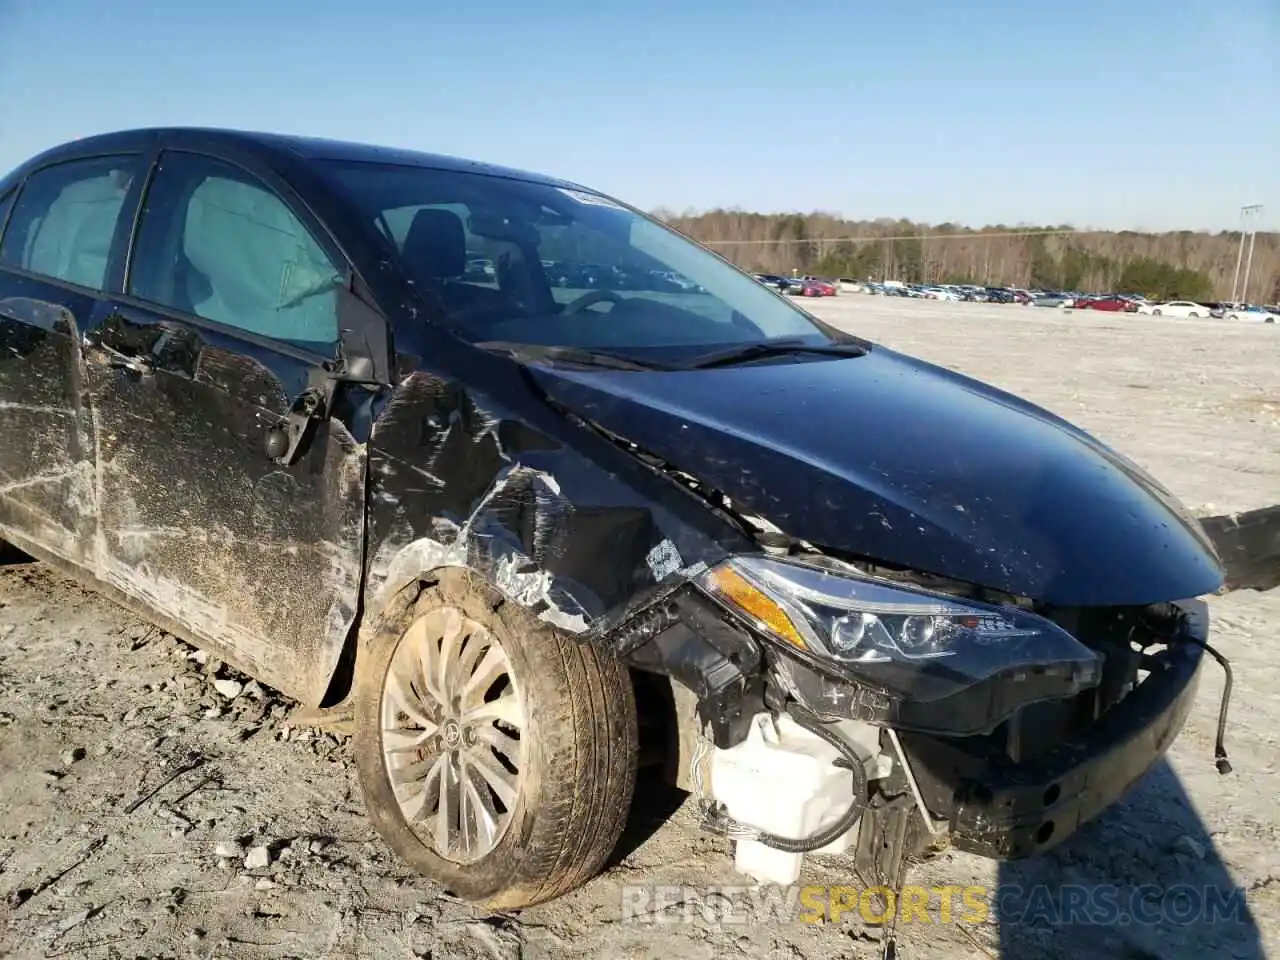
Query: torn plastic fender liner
x,y
686,637
490,541
576,567
557,519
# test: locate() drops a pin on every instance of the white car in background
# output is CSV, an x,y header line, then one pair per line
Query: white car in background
x,y
939,293
1175,308
1254,313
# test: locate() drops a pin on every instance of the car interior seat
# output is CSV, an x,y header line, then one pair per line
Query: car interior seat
x,y
435,254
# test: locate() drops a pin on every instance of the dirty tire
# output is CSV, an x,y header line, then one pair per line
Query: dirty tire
x,y
578,743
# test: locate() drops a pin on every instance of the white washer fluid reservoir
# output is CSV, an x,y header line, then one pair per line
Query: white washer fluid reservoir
x,y
783,779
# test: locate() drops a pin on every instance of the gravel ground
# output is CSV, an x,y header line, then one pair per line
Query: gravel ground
x,y
155,804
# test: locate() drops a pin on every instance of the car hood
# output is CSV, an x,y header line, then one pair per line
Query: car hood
x,y
897,460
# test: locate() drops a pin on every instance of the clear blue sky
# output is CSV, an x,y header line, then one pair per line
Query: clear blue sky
x,y
1096,112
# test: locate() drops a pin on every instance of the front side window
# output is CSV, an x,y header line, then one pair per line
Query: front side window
x,y
216,243
64,220
6,202
521,262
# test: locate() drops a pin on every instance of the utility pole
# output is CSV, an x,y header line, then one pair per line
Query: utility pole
x,y
1247,213
1248,264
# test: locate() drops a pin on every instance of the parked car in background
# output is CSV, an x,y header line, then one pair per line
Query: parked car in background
x,y
939,293
1048,299
885,289
828,287
1110,304
480,270
779,283
1251,311
1175,308
807,287
849,285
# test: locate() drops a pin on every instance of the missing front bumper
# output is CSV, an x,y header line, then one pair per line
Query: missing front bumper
x,y
1005,811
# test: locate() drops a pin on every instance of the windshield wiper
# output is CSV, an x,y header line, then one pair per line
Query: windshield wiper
x,y
576,355
746,352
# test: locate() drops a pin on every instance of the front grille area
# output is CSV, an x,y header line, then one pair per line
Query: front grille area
x,y
1132,641
1080,750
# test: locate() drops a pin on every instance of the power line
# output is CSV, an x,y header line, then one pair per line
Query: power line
x,y
905,236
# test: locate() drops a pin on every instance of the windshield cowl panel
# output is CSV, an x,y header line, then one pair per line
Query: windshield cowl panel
x,y
517,261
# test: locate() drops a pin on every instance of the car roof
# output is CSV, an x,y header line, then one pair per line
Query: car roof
x,y
307,148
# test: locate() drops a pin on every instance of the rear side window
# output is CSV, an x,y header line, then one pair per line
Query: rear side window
x,y
217,243
64,220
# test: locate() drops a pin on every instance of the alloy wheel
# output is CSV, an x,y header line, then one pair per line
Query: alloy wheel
x,y
452,720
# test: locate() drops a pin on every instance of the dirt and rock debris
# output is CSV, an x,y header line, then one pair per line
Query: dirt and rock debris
x,y
154,803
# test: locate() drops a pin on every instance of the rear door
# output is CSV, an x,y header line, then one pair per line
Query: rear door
x,y
66,230
231,462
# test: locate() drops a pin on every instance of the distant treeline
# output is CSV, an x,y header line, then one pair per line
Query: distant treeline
x,y
1178,265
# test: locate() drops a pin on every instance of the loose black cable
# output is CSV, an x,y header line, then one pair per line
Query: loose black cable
x,y
1219,746
721,823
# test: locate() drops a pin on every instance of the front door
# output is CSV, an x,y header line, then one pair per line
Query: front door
x,y
225,504
64,226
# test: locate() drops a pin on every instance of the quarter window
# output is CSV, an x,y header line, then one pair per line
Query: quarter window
x,y
65,218
217,243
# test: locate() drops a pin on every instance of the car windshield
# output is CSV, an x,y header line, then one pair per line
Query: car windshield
x,y
513,261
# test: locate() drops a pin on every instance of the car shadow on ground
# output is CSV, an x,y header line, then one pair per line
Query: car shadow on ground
x,y
11,556
1142,881
654,803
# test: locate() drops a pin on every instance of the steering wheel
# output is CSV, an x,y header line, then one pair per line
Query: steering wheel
x,y
590,299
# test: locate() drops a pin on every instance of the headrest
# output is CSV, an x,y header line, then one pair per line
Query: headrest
x,y
436,245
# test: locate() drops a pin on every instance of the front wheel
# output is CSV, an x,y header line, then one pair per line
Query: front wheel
x,y
496,756
1156,313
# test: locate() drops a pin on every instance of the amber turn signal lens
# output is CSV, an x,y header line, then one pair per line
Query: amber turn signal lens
x,y
739,591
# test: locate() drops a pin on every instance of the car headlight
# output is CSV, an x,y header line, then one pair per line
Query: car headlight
x,y
903,639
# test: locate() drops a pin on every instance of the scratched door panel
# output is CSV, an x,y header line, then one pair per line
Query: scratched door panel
x,y
47,489
260,561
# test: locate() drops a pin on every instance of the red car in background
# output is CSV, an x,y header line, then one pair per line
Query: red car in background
x,y
809,287
1109,304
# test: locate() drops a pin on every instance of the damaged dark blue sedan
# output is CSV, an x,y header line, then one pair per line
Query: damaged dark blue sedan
x,y
537,494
